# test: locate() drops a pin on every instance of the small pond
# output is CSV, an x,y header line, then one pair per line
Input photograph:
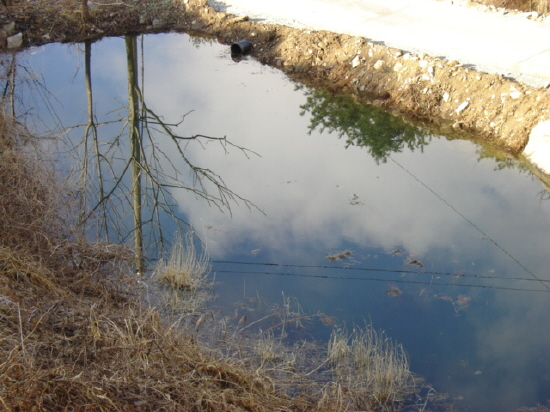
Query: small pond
x,y
441,243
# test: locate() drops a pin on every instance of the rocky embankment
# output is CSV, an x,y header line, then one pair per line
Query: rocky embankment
x,y
443,94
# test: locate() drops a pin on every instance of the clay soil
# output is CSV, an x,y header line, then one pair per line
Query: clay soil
x,y
442,94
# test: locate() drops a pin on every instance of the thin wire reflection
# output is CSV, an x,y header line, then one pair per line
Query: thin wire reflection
x,y
433,281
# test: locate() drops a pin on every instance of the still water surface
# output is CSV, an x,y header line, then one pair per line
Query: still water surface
x,y
449,245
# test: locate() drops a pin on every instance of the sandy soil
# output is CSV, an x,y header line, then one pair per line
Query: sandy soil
x,y
444,95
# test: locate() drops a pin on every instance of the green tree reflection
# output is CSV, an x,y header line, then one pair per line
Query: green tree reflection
x,y
362,125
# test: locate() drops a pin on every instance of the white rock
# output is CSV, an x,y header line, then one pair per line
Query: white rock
x,y
515,95
431,71
379,64
16,41
356,61
398,66
531,14
462,107
446,97
537,150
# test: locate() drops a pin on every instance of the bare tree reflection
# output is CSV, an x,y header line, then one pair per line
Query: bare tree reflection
x,y
144,180
23,90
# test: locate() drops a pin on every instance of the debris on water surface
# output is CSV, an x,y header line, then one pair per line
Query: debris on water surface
x,y
397,252
327,320
462,302
335,257
459,302
393,291
255,252
354,200
414,262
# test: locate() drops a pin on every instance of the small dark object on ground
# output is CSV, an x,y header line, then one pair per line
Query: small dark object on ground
x,y
241,47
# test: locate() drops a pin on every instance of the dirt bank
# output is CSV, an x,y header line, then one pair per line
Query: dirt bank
x,y
444,94
440,92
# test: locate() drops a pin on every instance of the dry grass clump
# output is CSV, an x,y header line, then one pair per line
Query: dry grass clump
x,y
362,371
370,370
267,348
73,335
184,268
29,197
184,277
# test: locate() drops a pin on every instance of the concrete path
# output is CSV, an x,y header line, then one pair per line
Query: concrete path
x,y
508,44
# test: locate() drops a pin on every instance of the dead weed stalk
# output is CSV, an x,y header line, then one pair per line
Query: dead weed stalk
x,y
370,370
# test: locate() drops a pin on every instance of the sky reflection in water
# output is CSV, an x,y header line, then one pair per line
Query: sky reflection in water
x,y
442,205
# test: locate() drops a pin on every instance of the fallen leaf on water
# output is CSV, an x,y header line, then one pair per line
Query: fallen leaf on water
x,y
393,291
414,262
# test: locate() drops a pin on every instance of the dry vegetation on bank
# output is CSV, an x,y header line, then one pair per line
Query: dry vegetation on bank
x,y
75,334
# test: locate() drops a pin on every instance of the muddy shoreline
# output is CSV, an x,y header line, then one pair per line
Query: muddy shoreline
x,y
443,95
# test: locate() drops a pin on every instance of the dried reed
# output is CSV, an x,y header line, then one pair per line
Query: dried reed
x,y
184,268
371,370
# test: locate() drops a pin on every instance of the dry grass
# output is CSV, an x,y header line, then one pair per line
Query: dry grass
x,y
185,285
267,348
184,268
371,370
73,335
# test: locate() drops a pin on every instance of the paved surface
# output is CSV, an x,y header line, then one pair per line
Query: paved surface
x,y
490,41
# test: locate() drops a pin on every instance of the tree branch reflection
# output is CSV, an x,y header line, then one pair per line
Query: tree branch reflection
x,y
362,125
135,172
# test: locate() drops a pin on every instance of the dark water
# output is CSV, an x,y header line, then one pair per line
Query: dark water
x,y
462,234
